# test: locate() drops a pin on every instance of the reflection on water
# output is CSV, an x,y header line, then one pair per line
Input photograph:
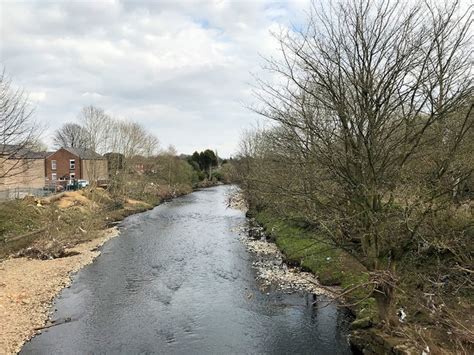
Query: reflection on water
x,y
178,280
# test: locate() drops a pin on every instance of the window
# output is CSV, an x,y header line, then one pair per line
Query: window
x,y
53,164
72,176
54,177
72,164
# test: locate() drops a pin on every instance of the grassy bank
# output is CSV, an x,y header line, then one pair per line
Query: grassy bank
x,y
45,228
303,246
58,236
333,266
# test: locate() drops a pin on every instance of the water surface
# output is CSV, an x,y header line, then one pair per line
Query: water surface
x,y
178,281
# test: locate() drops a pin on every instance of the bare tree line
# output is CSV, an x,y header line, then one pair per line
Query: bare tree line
x,y
122,142
125,143
102,133
371,132
19,133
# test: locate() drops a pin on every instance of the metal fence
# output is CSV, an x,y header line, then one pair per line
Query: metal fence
x,y
22,192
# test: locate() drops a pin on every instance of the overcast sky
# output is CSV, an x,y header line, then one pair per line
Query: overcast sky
x,y
181,68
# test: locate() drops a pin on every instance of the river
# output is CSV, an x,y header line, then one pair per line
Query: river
x,y
179,281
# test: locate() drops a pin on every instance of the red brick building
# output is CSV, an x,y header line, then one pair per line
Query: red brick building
x,y
68,164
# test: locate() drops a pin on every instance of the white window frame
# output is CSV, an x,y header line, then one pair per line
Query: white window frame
x,y
54,176
53,164
72,164
72,176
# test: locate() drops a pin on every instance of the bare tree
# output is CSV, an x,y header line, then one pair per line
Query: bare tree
x,y
18,131
364,86
71,135
133,140
123,141
96,124
150,145
108,134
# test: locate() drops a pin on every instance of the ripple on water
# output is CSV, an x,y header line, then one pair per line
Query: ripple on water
x,y
178,281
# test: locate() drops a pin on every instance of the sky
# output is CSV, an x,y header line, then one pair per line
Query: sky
x,y
183,69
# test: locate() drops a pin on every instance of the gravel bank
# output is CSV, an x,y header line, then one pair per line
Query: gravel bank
x,y
28,287
270,265
236,200
272,269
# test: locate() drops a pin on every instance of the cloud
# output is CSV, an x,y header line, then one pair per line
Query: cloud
x,y
181,68
37,96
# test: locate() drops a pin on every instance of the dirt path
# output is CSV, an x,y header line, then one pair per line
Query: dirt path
x,y
28,287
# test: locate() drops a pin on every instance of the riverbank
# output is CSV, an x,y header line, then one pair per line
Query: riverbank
x,y
39,261
272,270
336,271
332,270
28,287
302,247
271,264
332,266
165,284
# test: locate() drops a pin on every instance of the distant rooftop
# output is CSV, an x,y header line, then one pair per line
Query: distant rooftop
x,y
86,154
15,151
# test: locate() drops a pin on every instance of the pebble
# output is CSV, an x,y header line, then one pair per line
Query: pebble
x,y
270,266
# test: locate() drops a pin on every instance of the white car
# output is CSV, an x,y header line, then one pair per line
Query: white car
x,y
82,183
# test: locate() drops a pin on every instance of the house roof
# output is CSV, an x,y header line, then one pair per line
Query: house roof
x,y
38,155
86,154
15,151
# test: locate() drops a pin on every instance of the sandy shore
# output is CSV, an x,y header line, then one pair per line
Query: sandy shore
x,y
28,287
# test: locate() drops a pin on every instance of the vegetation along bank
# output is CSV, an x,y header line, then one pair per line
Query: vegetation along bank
x,y
364,173
44,240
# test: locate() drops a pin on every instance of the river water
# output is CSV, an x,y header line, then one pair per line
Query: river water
x,y
179,281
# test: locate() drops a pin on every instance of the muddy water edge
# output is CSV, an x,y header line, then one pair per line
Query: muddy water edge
x,y
181,280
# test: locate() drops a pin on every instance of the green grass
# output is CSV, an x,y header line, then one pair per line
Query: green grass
x,y
72,225
333,266
19,217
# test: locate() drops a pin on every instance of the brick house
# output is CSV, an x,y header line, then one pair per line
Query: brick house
x,y
143,165
21,168
68,164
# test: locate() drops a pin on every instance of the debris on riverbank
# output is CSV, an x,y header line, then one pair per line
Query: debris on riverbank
x,y
270,265
272,269
29,286
236,200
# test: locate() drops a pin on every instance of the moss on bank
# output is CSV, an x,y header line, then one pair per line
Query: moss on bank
x,y
433,323
333,266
